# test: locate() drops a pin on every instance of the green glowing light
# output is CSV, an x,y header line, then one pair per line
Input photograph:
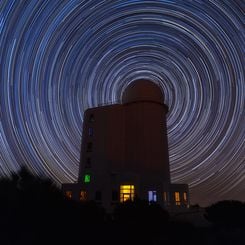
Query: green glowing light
x,y
87,178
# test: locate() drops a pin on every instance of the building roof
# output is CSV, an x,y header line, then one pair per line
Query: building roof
x,y
143,90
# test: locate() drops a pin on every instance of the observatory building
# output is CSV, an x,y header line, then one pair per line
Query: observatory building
x,y
124,152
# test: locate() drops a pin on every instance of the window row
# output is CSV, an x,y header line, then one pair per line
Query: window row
x,y
127,192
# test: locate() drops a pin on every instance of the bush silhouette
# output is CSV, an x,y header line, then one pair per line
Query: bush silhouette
x,y
226,213
140,211
140,221
34,211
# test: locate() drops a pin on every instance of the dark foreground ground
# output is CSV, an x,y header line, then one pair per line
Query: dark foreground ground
x,y
34,211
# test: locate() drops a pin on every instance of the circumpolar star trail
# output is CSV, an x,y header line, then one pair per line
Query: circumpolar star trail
x,y
59,58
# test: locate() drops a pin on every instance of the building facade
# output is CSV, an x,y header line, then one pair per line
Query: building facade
x,y
124,152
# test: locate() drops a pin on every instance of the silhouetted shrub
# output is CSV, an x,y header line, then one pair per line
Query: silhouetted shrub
x,y
34,211
226,213
140,211
140,221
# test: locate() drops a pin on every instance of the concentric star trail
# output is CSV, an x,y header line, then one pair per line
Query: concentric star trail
x,y
59,58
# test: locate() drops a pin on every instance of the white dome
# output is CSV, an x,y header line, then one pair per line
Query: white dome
x,y
142,90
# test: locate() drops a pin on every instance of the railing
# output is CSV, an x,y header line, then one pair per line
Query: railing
x,y
110,103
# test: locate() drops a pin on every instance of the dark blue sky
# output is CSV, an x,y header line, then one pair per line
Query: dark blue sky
x,y
60,57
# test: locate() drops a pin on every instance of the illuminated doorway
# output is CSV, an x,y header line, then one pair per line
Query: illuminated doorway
x,y
152,196
127,192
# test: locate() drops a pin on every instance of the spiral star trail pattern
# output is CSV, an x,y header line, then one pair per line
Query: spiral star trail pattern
x,y
59,58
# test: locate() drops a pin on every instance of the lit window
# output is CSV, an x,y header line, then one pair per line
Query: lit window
x,y
152,196
165,196
90,131
68,194
98,196
89,147
83,196
126,193
185,197
87,178
177,198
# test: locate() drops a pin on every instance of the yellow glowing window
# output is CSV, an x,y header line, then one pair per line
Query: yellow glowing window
x,y
83,196
68,194
177,198
127,192
165,196
185,197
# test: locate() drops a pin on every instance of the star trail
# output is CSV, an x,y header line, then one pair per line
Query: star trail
x,y
59,58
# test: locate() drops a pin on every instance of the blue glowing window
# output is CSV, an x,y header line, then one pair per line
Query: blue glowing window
x,y
90,131
152,196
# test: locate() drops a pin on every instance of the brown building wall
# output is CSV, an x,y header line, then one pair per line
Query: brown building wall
x,y
128,138
146,150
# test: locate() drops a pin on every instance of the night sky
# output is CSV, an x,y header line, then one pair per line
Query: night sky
x,y
58,58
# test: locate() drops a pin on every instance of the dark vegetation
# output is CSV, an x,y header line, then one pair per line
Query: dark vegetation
x,y
34,211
